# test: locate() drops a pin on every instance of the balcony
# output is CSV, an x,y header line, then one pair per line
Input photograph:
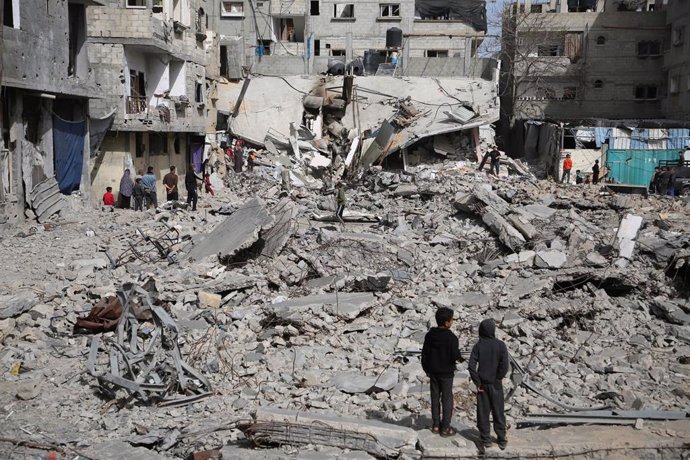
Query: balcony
x,y
136,104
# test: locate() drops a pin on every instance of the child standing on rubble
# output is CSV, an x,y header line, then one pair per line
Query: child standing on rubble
x,y
439,354
138,194
108,197
488,365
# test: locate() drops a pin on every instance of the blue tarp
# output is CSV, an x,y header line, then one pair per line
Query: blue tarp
x,y
678,138
601,135
68,144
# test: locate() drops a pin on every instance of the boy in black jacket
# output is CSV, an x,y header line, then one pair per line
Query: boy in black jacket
x,y
491,356
439,354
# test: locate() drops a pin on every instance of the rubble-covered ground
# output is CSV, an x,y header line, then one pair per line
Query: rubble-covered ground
x,y
285,308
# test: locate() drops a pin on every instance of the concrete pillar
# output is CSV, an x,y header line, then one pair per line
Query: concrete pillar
x,y
528,6
85,186
47,138
563,6
468,55
348,46
552,5
17,134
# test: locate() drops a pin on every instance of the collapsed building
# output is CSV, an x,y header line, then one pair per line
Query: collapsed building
x,y
44,109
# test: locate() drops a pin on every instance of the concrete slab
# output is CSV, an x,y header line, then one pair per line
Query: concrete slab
x,y
276,237
627,232
550,259
347,305
239,231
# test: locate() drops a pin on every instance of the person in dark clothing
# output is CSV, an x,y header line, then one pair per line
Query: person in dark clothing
x,y
340,200
439,354
138,194
190,179
595,172
654,183
488,365
662,181
495,156
170,181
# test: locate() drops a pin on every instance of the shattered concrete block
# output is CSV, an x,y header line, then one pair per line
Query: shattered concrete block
x,y
550,259
525,258
209,299
406,190
346,305
505,232
28,390
627,232
15,304
281,426
594,259
521,223
238,231
434,446
276,237
354,382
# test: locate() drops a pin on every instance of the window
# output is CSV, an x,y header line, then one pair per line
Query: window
x,y
232,9
337,52
649,48
535,9
674,85
10,13
158,144
570,92
550,50
136,4
598,84
139,145
343,10
678,36
601,40
581,6
645,92
314,8
317,47
389,10
199,93
157,6
224,61
76,15
436,53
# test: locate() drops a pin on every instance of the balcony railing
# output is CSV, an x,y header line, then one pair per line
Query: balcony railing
x,y
136,104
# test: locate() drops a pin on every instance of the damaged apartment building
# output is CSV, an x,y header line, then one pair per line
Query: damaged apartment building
x,y
439,38
149,59
47,84
601,79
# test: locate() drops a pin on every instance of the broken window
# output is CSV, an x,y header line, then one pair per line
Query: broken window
x,y
645,92
158,144
136,102
581,6
601,40
550,50
10,13
139,145
136,4
224,61
157,6
389,10
674,85
314,8
437,53
678,36
570,92
344,10
335,52
199,93
573,45
536,9
77,38
598,84
232,9
649,48
317,47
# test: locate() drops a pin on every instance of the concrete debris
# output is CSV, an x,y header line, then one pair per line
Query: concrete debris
x,y
316,325
281,426
237,232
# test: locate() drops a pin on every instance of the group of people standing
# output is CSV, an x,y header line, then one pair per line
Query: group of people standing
x,y
663,181
143,189
239,154
580,177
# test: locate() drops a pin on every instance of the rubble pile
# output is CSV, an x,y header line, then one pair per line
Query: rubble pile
x,y
303,327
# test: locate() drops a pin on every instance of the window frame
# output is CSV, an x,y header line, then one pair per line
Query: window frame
x,y
136,7
598,84
390,6
343,18
674,84
601,40
224,13
436,52
646,89
678,36
645,48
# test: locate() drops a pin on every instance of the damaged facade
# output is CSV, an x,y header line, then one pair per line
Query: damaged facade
x,y
47,84
584,65
149,59
295,38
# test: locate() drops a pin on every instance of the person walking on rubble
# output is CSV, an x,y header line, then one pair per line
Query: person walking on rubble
x,y
567,167
495,156
439,355
170,181
150,195
488,366
340,200
190,184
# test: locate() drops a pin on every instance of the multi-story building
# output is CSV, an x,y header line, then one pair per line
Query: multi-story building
x,y
291,38
677,60
583,59
47,84
149,58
